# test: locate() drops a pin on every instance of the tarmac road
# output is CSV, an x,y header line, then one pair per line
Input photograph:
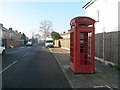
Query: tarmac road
x,y
31,67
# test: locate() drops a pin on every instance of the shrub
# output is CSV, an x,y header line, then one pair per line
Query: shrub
x,y
117,67
110,65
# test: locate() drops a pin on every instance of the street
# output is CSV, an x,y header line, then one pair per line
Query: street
x,y
31,67
72,45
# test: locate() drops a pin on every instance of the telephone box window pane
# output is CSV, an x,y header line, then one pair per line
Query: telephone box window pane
x,y
81,42
72,47
82,35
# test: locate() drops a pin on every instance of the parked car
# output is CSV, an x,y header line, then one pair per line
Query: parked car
x,y
49,42
2,47
29,43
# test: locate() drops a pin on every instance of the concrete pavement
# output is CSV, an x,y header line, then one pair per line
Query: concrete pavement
x,y
104,76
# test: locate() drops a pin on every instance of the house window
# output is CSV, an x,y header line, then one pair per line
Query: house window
x,y
10,35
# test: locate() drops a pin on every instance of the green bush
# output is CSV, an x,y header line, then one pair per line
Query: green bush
x,y
110,65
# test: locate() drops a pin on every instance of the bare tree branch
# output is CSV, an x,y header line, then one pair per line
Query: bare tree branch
x,y
46,27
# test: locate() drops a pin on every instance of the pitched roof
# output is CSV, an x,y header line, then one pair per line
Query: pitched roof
x,y
7,30
88,4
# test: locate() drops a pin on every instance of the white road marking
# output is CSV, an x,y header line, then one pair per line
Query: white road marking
x,y
26,54
99,86
103,87
8,66
109,87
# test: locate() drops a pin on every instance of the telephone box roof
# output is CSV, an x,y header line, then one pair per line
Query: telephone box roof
x,y
82,20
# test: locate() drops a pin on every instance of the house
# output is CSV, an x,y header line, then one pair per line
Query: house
x,y
17,35
11,37
65,42
10,34
7,33
105,12
65,35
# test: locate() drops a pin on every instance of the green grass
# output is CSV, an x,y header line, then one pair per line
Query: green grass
x,y
117,67
110,65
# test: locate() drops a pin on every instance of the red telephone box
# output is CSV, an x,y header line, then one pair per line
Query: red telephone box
x,y
82,47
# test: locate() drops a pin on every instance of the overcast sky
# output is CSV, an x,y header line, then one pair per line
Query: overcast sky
x,y
26,16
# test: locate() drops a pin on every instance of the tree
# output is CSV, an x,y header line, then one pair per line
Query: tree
x,y
55,35
46,27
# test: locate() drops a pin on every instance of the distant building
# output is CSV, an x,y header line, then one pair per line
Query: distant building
x,y
17,35
10,34
7,33
65,35
105,12
11,37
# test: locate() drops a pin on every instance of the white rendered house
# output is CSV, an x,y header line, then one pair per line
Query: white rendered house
x,y
105,12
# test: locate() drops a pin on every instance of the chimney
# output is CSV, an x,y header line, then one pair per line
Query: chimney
x,y
1,25
16,31
10,28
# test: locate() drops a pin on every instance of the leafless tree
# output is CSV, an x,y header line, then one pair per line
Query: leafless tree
x,y
46,27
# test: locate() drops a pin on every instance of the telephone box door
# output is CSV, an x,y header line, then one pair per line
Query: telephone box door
x,y
85,62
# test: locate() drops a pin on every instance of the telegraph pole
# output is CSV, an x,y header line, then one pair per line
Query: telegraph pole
x,y
104,47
